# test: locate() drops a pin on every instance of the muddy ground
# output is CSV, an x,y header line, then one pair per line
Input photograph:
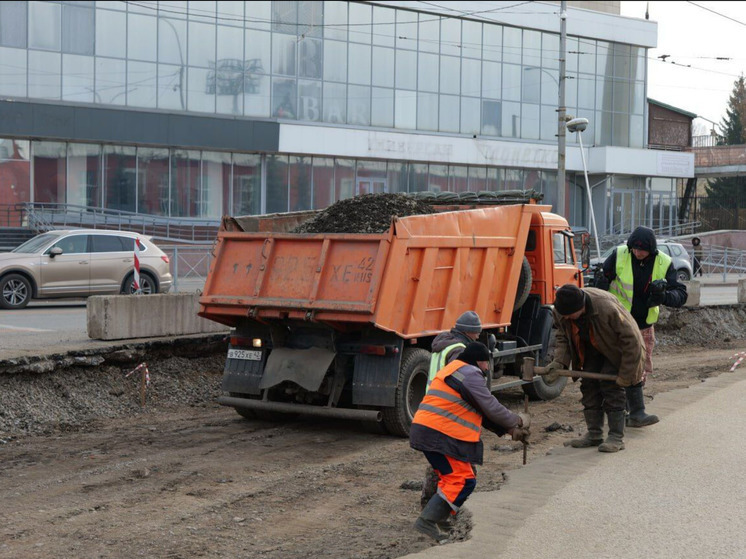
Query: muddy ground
x,y
86,472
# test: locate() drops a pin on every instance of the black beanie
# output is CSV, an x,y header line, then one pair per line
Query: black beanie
x,y
569,299
475,351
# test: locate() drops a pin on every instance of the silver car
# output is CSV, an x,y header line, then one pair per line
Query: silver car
x,y
679,258
79,263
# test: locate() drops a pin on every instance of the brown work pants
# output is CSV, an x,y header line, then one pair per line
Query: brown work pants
x,y
604,395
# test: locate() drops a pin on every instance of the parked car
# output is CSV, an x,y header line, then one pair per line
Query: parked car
x,y
679,258
79,263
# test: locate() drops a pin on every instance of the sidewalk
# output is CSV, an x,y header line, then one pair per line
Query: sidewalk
x,y
675,492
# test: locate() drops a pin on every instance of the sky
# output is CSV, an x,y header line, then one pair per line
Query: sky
x,y
694,36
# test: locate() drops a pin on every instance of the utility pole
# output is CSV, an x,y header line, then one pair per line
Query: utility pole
x,y
561,114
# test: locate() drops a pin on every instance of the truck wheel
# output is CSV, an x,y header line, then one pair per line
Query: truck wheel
x,y
410,391
524,285
541,389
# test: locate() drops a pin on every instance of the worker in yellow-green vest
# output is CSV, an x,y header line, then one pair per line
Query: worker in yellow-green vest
x,y
446,347
642,278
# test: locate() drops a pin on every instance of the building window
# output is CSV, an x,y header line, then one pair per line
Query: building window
x,y
13,24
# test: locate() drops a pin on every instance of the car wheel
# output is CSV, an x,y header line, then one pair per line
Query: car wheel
x,y
148,285
15,292
683,275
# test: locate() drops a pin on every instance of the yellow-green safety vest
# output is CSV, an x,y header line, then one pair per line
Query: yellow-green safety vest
x,y
438,361
622,286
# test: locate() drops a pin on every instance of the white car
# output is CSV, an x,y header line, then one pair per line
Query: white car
x,y
80,263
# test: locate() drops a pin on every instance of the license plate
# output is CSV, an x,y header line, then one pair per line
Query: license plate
x,y
249,354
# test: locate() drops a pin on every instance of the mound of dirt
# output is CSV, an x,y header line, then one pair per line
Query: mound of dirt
x,y
369,213
712,326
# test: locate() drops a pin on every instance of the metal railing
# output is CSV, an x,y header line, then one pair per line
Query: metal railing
x,y
716,259
43,216
189,265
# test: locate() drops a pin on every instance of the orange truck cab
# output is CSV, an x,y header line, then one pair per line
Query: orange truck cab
x,y
340,325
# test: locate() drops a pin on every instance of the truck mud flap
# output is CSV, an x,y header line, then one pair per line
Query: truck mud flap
x,y
305,367
376,379
242,376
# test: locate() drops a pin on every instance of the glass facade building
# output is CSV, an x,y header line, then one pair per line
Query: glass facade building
x,y
357,67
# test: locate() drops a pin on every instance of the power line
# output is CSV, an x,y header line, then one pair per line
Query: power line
x,y
717,13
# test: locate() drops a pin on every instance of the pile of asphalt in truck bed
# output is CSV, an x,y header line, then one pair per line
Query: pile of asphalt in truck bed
x,y
369,213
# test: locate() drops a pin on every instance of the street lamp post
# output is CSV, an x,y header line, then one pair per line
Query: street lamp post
x,y
578,125
561,113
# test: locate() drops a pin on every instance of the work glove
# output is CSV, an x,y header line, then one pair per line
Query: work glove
x,y
551,375
525,420
657,293
520,434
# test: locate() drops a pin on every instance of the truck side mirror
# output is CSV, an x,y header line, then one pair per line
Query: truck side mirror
x,y
585,250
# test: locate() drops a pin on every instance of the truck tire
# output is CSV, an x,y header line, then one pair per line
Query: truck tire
x,y
541,389
524,285
410,390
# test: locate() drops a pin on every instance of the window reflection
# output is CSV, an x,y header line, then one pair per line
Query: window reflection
x,y
120,179
152,181
216,176
277,183
300,176
84,175
247,184
50,171
44,74
323,182
284,98
309,100
185,183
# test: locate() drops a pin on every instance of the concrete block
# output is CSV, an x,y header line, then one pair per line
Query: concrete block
x,y
741,291
121,317
694,293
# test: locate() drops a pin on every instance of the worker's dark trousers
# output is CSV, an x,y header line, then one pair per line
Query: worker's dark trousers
x,y
603,395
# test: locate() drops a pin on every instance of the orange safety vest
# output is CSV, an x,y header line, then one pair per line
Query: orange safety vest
x,y
444,410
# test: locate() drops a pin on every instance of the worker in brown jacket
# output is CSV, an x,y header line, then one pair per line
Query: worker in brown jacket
x,y
596,333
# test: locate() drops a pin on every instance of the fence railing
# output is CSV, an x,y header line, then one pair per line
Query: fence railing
x,y
42,216
718,259
189,265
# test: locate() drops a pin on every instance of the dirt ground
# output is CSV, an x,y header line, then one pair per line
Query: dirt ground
x,y
86,472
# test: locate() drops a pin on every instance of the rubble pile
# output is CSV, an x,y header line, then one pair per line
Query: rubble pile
x,y
369,213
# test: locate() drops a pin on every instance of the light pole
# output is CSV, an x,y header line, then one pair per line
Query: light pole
x,y
578,125
561,113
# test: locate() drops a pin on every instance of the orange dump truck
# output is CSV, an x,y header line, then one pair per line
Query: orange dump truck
x,y
340,325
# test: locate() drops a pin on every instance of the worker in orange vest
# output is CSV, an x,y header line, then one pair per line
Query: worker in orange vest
x,y
447,428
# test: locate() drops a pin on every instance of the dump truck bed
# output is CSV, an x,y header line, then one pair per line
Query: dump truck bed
x,y
414,280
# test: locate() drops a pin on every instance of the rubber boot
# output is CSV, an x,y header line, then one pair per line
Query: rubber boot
x,y
594,421
435,512
429,486
636,405
615,441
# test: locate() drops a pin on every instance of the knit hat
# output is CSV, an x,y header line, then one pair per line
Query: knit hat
x,y
643,238
569,299
469,322
475,351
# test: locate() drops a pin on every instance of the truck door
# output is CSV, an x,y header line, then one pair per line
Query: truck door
x,y
566,269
